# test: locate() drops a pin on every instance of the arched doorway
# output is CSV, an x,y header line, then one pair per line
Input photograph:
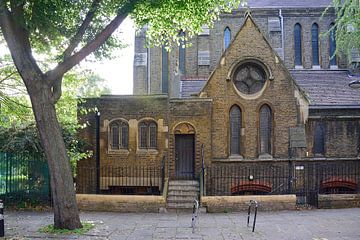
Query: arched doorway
x,y
184,151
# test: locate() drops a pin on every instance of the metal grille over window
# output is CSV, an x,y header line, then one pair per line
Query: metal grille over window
x,y
319,139
249,78
265,129
315,43
235,130
332,44
227,37
119,135
297,44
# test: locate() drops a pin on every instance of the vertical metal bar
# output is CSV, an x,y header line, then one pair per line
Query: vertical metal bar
x,y
256,207
97,151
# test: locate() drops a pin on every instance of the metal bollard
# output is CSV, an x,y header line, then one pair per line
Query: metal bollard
x,y
2,228
194,215
249,213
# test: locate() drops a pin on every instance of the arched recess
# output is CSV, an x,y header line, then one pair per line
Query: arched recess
x,y
184,128
265,130
235,130
297,44
184,136
227,37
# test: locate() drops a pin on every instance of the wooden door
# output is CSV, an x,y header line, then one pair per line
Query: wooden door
x,y
184,156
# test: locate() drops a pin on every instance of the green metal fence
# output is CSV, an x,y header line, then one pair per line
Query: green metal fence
x,y
24,178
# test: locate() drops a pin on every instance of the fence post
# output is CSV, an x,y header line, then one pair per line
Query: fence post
x,y
203,171
290,178
2,228
97,151
163,174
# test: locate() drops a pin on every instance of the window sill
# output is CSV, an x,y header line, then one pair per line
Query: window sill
x,y
147,151
118,152
298,67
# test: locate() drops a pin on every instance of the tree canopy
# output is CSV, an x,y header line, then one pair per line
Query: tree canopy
x,y
347,25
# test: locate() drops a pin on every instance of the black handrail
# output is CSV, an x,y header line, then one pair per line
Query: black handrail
x,y
163,174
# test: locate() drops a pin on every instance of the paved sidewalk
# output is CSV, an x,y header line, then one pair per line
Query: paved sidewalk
x,y
307,224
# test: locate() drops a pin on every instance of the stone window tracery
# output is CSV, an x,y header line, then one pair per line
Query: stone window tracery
x,y
147,135
249,78
119,135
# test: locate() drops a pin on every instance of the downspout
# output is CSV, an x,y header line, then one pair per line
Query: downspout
x,y
282,34
148,71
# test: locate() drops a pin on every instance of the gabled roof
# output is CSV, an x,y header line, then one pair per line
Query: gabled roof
x,y
324,87
288,3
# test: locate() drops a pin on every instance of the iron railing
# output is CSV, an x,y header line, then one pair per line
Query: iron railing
x,y
305,179
141,180
24,178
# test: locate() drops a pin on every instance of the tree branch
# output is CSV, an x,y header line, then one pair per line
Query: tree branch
x,y
70,62
18,42
74,42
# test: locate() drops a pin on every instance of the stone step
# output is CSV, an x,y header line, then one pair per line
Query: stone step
x,y
184,183
179,199
182,193
180,205
183,188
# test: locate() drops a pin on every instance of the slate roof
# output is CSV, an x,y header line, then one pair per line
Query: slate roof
x,y
288,3
328,88
325,88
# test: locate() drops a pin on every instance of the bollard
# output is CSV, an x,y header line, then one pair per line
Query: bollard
x,y
249,213
2,229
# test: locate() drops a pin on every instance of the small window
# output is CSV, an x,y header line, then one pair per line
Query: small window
x,y
164,70
147,135
227,37
332,47
319,139
297,45
265,129
235,130
182,53
315,44
119,135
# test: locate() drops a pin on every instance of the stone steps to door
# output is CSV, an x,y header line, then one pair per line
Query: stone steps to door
x,y
182,193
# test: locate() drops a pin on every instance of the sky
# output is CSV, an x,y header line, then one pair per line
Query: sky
x,y
118,72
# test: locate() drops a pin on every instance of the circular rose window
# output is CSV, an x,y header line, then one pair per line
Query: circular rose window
x,y
249,78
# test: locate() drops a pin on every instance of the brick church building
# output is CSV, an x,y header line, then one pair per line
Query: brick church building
x,y
258,98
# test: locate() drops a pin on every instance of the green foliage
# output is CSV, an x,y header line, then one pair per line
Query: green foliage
x,y
87,226
347,25
166,18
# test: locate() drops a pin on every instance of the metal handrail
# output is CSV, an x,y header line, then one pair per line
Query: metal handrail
x,y
194,215
251,203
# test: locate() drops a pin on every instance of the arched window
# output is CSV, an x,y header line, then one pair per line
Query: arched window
x,y
119,135
297,45
235,130
182,53
147,134
164,70
265,129
227,37
319,139
315,44
332,47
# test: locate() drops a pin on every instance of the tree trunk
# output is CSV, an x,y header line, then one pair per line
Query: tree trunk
x,y
66,214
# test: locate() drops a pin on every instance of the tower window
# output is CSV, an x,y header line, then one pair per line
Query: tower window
x,y
315,43
297,45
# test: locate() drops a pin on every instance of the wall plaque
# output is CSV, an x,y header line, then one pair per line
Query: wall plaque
x,y
297,137
140,59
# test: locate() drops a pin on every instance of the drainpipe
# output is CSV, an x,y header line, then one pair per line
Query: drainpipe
x,y
148,71
97,151
282,34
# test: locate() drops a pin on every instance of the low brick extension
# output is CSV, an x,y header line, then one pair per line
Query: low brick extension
x,y
240,203
120,203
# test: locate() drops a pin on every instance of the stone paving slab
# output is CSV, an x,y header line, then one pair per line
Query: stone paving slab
x,y
332,224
